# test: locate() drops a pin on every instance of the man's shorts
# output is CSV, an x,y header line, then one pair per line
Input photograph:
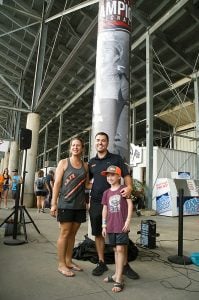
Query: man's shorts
x,y
71,215
118,239
95,213
15,194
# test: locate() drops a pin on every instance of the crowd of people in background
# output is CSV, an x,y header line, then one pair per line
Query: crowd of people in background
x,y
12,183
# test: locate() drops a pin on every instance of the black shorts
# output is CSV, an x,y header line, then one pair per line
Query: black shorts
x,y
15,194
95,213
118,238
41,193
71,215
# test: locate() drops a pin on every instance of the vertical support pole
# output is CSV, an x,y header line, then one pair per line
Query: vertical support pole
x,y
40,61
111,105
33,123
196,96
59,138
21,91
149,121
45,145
133,126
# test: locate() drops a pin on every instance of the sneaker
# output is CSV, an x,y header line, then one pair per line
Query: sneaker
x,y
100,269
128,271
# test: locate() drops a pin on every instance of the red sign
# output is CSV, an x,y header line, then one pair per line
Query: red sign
x,y
115,14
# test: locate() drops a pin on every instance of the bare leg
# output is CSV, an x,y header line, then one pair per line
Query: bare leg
x,y
42,203
100,244
126,254
62,245
70,246
5,194
119,264
38,202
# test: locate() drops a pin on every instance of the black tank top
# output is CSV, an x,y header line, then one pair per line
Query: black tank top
x,y
72,193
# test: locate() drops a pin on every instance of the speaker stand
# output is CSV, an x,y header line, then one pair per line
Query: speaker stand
x,y
180,259
22,209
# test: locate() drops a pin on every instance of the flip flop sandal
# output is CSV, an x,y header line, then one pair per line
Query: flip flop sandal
x,y
118,286
109,278
66,273
75,268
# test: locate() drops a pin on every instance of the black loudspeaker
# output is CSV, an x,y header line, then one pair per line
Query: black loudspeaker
x,y
148,234
25,138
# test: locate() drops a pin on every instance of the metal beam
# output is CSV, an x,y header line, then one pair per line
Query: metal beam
x,y
20,28
173,86
15,109
72,9
69,103
196,94
5,131
149,121
160,22
14,91
33,14
40,62
69,61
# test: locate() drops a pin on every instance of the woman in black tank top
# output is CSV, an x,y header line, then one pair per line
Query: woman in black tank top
x,y
6,186
69,205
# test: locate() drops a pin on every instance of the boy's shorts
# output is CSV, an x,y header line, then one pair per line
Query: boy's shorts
x,y
118,239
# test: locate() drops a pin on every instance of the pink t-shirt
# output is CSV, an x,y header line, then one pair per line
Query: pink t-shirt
x,y
117,208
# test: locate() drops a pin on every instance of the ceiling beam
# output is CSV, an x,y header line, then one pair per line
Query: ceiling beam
x,y
14,91
72,9
69,61
15,108
160,22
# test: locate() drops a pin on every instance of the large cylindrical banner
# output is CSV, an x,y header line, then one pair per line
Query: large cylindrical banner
x,y
111,96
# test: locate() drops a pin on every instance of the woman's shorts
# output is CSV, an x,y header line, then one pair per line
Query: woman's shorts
x,y
95,213
5,187
41,193
118,239
71,215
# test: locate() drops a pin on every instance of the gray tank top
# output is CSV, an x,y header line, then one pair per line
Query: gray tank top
x,y
72,193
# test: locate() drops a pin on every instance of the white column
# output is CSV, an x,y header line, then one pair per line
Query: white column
x,y
14,156
33,123
1,166
6,160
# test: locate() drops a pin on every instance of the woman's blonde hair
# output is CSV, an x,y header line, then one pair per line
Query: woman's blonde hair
x,y
40,173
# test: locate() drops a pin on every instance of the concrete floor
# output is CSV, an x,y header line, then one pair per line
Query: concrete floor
x,y
29,271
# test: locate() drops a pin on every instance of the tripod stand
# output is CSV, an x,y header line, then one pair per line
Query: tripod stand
x,y
20,210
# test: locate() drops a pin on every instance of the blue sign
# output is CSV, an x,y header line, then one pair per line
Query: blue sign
x,y
163,203
191,206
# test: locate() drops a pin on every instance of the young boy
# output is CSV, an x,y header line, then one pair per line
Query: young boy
x,y
116,218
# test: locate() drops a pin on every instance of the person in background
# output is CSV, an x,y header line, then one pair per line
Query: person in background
x,y
16,180
1,187
50,181
97,164
6,186
41,189
69,204
116,218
